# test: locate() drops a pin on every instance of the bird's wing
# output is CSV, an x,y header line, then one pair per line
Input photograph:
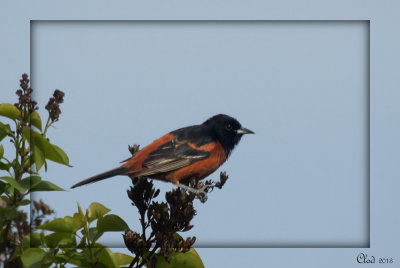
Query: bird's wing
x,y
170,156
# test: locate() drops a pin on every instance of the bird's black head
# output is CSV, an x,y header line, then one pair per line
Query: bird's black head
x,y
227,130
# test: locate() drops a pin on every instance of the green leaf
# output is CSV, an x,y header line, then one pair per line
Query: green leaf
x,y
189,259
106,257
79,218
70,255
2,232
24,202
80,211
7,199
56,154
63,225
60,259
82,243
33,257
4,130
59,239
26,134
38,157
43,149
1,151
37,152
4,166
30,182
94,234
95,211
77,261
17,253
28,161
111,223
36,121
32,240
12,213
122,259
9,110
36,239
50,151
2,187
7,214
46,186
13,183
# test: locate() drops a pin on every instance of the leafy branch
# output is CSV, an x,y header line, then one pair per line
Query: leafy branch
x,y
20,244
31,151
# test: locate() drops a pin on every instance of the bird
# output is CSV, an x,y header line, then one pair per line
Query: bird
x,y
183,154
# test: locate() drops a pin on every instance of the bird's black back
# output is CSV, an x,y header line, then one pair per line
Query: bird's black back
x,y
197,134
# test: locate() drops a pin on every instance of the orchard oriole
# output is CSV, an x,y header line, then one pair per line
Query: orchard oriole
x,y
186,153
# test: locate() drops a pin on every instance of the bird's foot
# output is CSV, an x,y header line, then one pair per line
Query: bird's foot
x,y
201,193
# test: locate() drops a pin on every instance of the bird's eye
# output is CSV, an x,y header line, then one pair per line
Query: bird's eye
x,y
228,127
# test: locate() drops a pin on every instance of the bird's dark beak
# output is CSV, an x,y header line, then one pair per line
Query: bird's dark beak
x,y
244,131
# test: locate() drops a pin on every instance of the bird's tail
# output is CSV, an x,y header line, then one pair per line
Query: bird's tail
x,y
103,176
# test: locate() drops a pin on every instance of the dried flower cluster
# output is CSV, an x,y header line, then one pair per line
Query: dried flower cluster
x,y
53,106
165,219
26,105
133,149
39,212
24,96
22,227
210,185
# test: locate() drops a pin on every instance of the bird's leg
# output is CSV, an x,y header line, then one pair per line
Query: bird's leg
x,y
201,194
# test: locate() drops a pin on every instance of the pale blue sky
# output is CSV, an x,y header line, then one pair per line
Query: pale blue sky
x,y
301,86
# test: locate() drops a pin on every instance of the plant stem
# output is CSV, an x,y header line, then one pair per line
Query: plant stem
x,y
143,223
16,166
48,124
148,257
91,260
135,260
